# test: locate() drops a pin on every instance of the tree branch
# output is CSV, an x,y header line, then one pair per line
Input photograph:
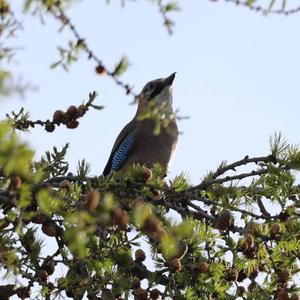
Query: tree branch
x,y
263,10
69,118
208,182
246,160
60,15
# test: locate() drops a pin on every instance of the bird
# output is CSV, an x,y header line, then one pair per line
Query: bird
x,y
138,143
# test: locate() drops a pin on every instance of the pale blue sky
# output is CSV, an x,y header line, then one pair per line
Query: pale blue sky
x,y
237,78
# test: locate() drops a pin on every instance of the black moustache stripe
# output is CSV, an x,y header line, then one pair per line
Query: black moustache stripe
x,y
159,87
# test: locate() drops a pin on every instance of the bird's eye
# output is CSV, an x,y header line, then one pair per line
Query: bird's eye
x,y
149,88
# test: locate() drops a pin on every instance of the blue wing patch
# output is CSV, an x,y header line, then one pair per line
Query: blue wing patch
x,y
121,153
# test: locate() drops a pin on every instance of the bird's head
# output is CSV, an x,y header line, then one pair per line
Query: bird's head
x,y
157,93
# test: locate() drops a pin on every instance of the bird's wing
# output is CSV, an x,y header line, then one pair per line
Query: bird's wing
x,y
121,149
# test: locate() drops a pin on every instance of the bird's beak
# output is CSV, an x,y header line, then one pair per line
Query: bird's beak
x,y
169,80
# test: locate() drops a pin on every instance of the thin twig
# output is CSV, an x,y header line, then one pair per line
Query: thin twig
x,y
208,182
246,160
69,118
263,209
167,22
266,11
60,15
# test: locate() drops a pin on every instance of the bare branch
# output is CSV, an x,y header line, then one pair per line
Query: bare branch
x,y
266,10
60,15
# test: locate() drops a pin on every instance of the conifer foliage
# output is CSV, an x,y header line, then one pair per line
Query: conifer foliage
x,y
115,237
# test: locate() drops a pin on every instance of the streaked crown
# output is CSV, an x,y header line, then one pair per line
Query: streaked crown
x,y
154,87
158,91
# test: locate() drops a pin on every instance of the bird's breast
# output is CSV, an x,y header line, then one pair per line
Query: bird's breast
x,y
151,148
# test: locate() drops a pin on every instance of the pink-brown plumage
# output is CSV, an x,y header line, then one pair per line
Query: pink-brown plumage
x,y
137,143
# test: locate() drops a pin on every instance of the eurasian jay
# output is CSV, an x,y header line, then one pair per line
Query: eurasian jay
x,y
138,143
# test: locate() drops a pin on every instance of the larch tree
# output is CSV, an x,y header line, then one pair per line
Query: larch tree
x,y
225,244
